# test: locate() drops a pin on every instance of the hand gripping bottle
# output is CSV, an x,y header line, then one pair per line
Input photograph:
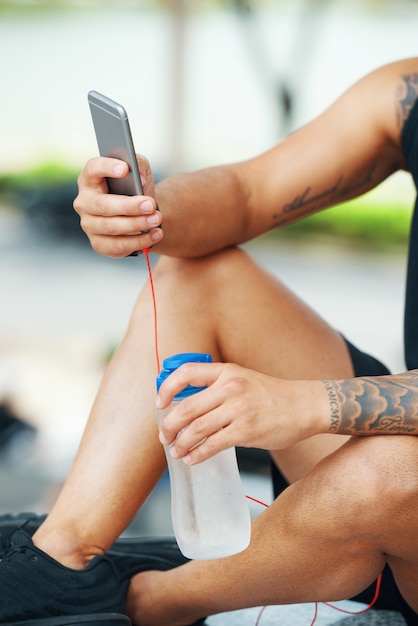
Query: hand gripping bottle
x,y
209,510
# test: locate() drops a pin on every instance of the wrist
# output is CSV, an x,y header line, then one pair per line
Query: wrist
x,y
320,408
333,408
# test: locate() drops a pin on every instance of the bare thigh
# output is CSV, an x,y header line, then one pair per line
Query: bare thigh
x,y
249,317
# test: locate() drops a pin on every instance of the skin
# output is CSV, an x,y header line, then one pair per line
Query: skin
x,y
282,377
285,413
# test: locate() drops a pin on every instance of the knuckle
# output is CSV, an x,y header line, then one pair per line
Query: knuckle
x,y
89,170
211,444
97,244
77,205
187,369
84,222
187,405
91,164
200,426
235,386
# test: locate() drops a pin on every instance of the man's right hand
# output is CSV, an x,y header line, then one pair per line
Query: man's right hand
x,y
117,225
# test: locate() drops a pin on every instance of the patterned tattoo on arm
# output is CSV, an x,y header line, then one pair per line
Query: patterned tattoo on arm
x,y
407,94
374,405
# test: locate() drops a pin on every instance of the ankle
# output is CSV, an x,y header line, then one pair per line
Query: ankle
x,y
65,547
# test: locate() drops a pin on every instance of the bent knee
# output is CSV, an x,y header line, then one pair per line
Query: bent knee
x,y
370,479
200,269
209,260
385,465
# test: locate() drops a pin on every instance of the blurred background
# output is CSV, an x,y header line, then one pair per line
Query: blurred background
x,y
204,83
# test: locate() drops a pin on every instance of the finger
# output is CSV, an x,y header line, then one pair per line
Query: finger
x,y
119,225
99,168
198,431
93,202
209,447
193,374
93,177
196,418
147,178
122,246
90,203
185,413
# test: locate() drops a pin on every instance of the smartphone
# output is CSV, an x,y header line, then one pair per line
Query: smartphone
x,y
114,139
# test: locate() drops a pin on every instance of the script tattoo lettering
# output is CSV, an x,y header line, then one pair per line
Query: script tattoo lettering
x,y
374,405
408,93
305,203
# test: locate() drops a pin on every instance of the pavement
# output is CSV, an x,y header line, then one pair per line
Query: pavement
x,y
63,308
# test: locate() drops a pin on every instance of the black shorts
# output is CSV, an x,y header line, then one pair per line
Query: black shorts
x,y
365,364
390,598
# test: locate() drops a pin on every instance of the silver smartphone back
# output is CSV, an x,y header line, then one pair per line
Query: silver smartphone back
x,y
114,139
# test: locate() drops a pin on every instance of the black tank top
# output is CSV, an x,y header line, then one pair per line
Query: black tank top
x,y
409,141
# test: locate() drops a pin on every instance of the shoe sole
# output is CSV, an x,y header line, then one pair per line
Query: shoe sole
x,y
101,619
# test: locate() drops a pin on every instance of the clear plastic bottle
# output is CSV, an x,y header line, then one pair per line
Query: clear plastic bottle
x,y
209,510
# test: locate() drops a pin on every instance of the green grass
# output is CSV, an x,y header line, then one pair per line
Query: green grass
x,y
44,174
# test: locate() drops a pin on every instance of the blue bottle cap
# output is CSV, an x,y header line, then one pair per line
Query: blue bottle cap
x,y
173,362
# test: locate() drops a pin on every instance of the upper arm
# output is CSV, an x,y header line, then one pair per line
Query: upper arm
x,y
346,151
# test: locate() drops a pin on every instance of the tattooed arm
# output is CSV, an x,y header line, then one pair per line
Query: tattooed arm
x,y
341,154
374,405
344,152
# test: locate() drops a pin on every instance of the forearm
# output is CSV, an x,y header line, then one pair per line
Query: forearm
x,y
217,207
374,405
203,211
342,154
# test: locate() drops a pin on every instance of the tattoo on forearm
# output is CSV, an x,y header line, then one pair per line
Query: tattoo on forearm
x,y
306,203
334,406
408,93
374,405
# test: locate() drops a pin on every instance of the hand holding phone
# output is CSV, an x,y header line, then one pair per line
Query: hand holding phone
x,y
114,139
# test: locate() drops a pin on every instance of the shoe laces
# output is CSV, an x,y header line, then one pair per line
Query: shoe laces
x,y
5,546
13,547
8,555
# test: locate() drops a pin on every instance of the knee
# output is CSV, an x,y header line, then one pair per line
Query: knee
x,y
366,485
386,467
374,479
203,270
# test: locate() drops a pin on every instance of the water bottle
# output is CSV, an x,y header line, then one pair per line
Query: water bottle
x,y
209,510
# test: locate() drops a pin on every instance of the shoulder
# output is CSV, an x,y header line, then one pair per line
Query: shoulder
x,y
397,86
391,93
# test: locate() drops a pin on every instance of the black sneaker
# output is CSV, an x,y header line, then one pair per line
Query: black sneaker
x,y
36,590
129,556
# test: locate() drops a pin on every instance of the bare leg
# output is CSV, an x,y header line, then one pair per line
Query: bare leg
x,y
223,304
325,538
